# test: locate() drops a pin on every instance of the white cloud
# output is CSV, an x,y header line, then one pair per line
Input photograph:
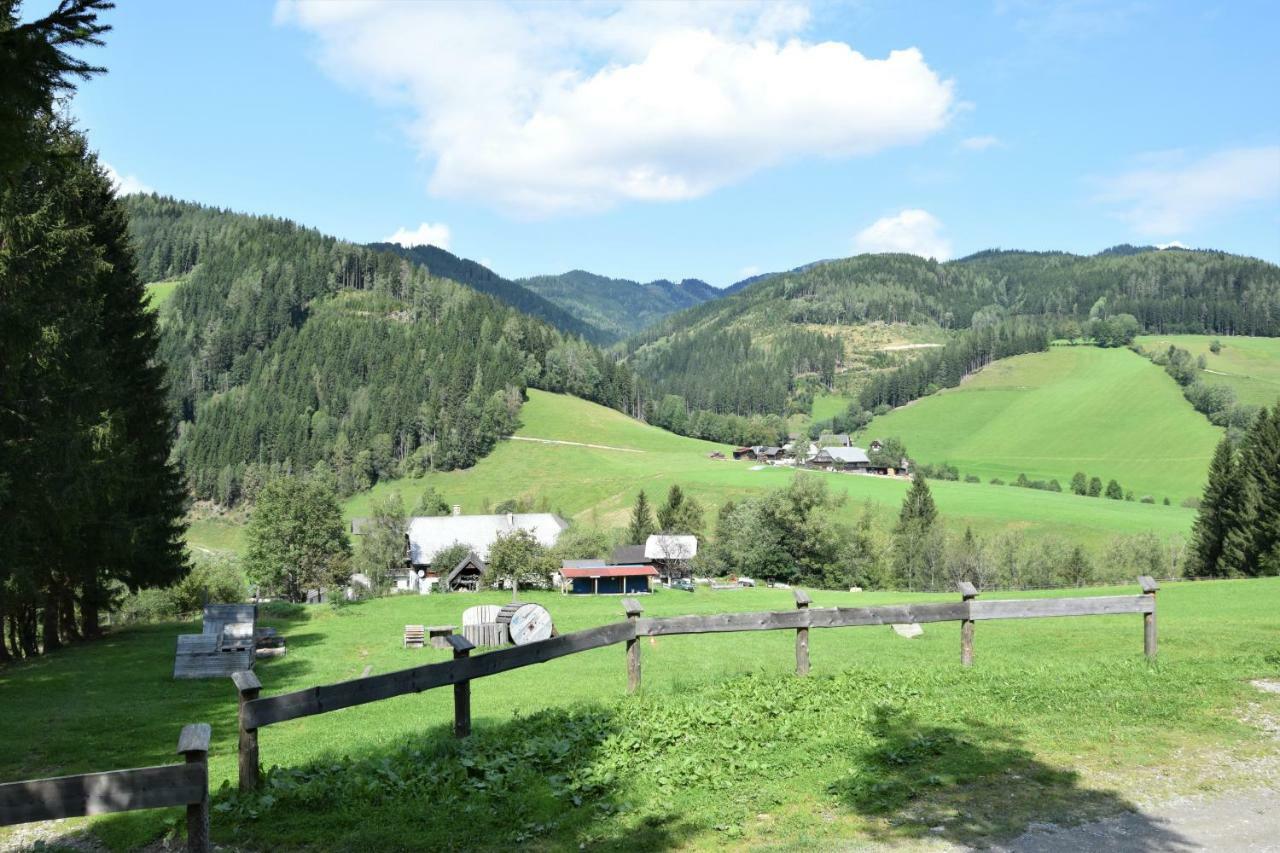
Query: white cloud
x,y
541,109
980,143
915,232
427,234
1171,245
125,184
1169,194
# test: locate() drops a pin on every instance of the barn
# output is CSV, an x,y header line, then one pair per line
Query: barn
x,y
607,580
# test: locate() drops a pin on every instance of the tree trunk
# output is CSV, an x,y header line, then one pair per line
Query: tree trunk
x,y
29,633
67,616
49,624
89,627
5,656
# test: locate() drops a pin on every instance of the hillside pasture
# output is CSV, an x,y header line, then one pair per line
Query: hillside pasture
x,y
159,292
886,739
1107,412
1250,366
598,486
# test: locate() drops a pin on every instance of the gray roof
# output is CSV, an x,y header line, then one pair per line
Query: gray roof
x,y
583,564
838,439
628,555
847,455
429,535
670,546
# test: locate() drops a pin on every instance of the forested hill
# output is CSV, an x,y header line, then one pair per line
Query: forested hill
x,y
444,264
741,353
290,350
618,306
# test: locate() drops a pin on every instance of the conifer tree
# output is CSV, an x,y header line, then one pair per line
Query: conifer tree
x,y
918,538
1219,515
642,524
1260,515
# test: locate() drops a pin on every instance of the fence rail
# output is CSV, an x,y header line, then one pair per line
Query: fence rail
x,y
256,713
122,790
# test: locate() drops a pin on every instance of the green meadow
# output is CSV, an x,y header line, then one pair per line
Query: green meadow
x,y
1107,412
159,292
1251,366
599,484
887,739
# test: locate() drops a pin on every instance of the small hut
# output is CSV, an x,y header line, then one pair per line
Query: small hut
x,y
466,575
608,580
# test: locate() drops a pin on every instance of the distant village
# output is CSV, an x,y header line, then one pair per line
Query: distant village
x,y
832,452
662,558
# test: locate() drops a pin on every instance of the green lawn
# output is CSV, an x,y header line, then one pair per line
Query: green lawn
x,y
1249,365
829,405
159,292
1059,719
600,485
1109,413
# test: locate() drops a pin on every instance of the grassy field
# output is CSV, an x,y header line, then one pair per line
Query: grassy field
x,y
1060,719
1109,413
599,485
829,405
1251,366
159,292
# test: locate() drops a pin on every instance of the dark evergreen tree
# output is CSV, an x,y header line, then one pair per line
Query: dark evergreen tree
x,y
642,525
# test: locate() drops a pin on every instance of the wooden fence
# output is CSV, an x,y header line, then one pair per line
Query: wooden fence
x,y
122,790
256,712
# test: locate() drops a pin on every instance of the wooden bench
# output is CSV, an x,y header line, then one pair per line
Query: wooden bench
x,y
439,636
414,636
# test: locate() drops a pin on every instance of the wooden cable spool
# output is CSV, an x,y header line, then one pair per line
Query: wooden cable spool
x,y
526,623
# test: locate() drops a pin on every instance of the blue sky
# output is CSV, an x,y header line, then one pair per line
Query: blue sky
x,y
708,141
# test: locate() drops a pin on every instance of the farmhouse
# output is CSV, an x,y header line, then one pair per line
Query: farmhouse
x,y
841,459
670,553
595,577
429,535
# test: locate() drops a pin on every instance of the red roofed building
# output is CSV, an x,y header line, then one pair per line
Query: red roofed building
x,y
607,580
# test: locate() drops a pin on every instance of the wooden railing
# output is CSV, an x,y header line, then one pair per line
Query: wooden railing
x,y
122,790
256,712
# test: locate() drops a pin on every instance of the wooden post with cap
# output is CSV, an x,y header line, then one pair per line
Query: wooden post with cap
x,y
193,744
461,690
633,611
802,635
1149,588
247,687
967,593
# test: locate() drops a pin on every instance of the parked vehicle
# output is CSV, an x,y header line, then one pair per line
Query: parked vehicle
x,y
683,584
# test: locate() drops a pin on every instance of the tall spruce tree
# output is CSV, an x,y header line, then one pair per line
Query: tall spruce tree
x,y
642,525
1260,468
917,558
1219,515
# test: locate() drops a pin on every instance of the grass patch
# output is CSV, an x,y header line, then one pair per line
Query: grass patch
x,y
1059,719
159,292
594,484
1109,413
1250,366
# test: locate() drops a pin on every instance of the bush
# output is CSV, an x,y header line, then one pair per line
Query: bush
x,y
1190,503
1147,499
1114,492
146,605
941,471
996,481
1166,502
972,478
213,580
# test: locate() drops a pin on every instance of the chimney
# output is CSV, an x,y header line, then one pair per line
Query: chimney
x,y
457,509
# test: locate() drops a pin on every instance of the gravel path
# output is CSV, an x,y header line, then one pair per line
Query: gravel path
x,y
1240,822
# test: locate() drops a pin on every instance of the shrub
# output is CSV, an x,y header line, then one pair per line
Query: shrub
x,y
1190,503
996,481
1147,499
213,580
1166,502
1114,492
972,478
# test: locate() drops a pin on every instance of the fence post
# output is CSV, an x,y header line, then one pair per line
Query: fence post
x,y
461,690
802,635
1149,587
193,743
247,686
633,611
967,593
